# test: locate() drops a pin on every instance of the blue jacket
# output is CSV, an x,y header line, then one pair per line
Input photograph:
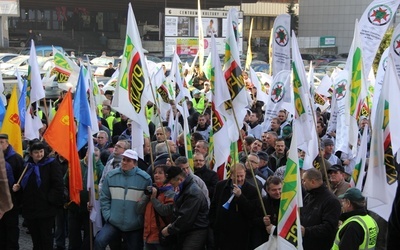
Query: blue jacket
x,y
122,198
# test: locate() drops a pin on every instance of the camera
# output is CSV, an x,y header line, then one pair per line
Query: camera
x,y
148,190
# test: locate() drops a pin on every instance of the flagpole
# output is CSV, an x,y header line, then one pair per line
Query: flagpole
x,y
22,175
46,110
251,164
159,117
319,151
90,223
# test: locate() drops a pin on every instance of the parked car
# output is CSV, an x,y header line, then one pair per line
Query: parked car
x,y
328,68
5,57
9,68
308,57
327,58
43,50
260,66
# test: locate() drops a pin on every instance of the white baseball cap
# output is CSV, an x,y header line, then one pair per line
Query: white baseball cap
x,y
131,154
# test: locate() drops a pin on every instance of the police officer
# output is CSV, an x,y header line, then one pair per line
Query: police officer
x,y
359,230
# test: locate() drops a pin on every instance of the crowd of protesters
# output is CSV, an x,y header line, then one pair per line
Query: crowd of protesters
x,y
160,201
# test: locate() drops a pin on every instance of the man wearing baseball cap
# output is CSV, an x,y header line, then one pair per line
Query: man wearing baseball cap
x,y
337,179
359,230
122,202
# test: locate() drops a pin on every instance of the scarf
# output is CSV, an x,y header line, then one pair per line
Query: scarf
x,y
34,168
10,174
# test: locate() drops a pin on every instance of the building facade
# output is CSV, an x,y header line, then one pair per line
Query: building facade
x,y
327,18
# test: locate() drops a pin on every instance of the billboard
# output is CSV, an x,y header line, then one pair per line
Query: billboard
x,y
9,8
182,30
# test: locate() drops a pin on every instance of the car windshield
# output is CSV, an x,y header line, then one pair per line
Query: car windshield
x,y
17,60
102,61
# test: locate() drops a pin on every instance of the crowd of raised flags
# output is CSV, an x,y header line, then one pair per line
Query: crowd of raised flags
x,y
290,89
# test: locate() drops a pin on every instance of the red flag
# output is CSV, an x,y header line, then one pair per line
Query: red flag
x,y
60,135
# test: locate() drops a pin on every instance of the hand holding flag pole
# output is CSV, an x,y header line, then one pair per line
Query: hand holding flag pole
x,y
251,167
17,186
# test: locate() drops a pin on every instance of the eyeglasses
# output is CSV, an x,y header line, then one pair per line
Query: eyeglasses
x,y
254,162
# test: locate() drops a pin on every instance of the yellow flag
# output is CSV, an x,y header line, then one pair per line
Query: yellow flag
x,y
249,56
11,123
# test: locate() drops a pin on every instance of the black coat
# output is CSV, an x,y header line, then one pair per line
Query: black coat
x,y
209,177
17,164
232,226
190,209
320,218
41,202
260,235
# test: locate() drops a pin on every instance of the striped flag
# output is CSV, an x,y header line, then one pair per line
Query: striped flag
x,y
381,183
66,70
131,95
359,168
289,233
219,124
303,111
236,106
187,135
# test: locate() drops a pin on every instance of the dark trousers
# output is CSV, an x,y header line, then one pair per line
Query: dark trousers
x,y
193,240
132,239
60,231
41,232
9,230
76,221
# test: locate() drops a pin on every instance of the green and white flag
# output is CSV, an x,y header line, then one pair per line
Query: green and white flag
x,y
131,93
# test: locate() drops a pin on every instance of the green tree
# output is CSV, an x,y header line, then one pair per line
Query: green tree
x,y
384,45
294,19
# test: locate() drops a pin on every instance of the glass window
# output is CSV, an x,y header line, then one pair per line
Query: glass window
x,y
258,23
247,22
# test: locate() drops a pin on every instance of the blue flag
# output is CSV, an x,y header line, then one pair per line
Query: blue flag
x,y
81,109
2,112
22,104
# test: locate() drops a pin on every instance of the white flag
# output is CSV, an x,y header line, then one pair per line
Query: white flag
x,y
373,25
281,44
130,93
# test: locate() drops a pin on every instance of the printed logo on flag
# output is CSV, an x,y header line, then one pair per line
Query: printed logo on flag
x,y
396,47
340,90
65,120
217,121
136,83
281,36
380,15
385,63
14,119
278,92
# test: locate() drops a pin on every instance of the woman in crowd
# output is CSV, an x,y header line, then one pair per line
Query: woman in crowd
x,y
159,209
42,192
